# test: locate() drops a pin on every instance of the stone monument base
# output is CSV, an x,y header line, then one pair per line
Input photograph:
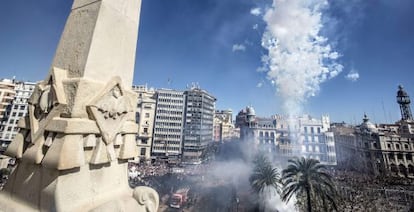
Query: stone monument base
x,y
41,189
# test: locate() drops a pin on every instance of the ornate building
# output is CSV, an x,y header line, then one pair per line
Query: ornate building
x,y
287,137
384,149
261,132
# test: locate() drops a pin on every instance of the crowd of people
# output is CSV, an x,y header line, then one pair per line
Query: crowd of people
x,y
362,192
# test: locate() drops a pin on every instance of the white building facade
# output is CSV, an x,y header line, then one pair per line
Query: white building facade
x,y
285,137
18,108
145,116
316,139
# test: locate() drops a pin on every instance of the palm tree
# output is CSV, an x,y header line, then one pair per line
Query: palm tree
x,y
264,176
307,177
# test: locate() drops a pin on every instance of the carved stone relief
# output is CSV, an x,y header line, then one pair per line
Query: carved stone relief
x,y
109,110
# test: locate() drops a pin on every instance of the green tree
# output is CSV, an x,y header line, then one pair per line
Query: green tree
x,y
264,176
308,178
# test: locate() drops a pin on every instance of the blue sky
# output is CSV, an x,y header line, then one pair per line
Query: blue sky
x,y
218,44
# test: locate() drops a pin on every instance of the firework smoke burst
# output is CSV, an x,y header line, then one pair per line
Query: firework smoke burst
x,y
299,59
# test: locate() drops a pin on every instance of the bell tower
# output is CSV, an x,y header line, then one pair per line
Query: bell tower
x,y
404,101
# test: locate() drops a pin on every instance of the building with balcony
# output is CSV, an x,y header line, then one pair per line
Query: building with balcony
x,y
15,109
316,139
382,149
145,116
223,126
285,137
7,93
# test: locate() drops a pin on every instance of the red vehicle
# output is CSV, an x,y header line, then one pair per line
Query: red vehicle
x,y
179,198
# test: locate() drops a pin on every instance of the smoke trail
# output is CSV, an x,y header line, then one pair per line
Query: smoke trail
x,y
299,59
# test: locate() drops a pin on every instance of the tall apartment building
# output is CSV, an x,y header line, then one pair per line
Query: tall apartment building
x,y
223,126
15,110
198,127
169,123
145,116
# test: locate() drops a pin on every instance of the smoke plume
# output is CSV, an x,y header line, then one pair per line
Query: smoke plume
x,y
299,59
272,201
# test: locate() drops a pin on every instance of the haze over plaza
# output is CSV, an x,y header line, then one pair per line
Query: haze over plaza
x,y
218,44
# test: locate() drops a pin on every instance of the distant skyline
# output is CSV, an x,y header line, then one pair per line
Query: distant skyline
x,y
219,45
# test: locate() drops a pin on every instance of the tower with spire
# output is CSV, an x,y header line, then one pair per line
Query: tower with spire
x,y
404,101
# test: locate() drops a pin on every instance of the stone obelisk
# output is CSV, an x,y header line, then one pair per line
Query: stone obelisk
x,y
74,146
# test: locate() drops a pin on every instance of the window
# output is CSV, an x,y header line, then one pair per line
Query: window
x,y
145,129
147,115
319,130
143,151
305,129
312,131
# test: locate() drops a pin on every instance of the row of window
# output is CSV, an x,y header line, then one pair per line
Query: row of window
x,y
176,95
408,157
398,146
167,143
266,134
178,118
163,148
161,136
312,130
176,101
177,106
167,130
21,107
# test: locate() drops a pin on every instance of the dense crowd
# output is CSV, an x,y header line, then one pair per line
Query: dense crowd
x,y
361,192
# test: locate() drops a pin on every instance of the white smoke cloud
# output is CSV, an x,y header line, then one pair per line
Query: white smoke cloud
x,y
272,201
255,26
238,47
299,59
259,85
353,75
256,11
